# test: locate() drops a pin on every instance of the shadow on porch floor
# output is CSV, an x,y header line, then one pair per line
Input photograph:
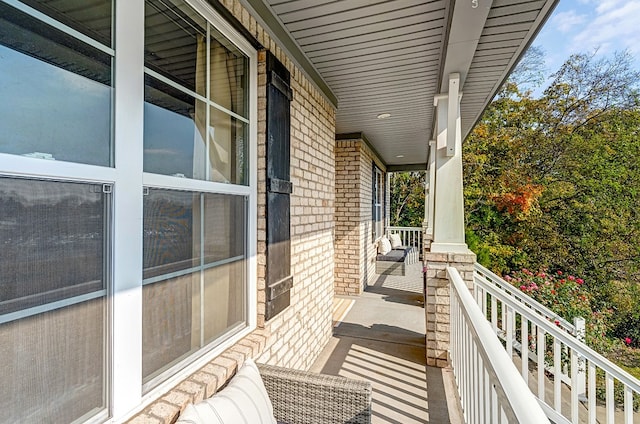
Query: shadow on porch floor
x,y
379,336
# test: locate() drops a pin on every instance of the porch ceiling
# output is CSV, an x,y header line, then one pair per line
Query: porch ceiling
x,y
393,56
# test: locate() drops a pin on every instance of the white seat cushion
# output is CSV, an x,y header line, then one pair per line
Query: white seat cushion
x,y
395,240
384,246
243,401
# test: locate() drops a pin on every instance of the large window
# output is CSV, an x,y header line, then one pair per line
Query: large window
x,y
196,121
377,197
127,201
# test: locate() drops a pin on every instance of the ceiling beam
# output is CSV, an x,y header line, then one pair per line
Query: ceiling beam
x,y
467,23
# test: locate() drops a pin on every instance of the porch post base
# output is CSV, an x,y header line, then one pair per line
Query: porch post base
x,y
427,238
437,302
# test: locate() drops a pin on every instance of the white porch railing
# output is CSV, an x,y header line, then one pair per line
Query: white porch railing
x,y
410,236
490,387
573,383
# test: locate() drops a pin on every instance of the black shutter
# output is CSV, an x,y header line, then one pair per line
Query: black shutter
x,y
279,187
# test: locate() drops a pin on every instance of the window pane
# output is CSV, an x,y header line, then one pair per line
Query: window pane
x,y
171,234
92,18
224,227
53,241
173,126
188,307
228,148
53,365
229,75
60,91
176,43
170,322
224,291
54,244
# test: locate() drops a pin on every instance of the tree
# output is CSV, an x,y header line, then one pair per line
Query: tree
x,y
407,198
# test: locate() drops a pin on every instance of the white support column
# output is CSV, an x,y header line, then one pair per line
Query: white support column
x,y
448,222
430,190
425,223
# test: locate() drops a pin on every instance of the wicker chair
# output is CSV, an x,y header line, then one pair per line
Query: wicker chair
x,y
301,397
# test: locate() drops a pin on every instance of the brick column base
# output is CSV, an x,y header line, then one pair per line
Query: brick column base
x,y
427,239
437,302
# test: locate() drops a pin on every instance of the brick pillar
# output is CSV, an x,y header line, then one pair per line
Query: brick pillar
x,y
427,239
437,302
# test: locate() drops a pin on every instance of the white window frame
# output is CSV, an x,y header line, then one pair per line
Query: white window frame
x,y
378,202
124,379
128,397
51,170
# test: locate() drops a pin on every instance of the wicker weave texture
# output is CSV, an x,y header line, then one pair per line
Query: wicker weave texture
x,y
300,397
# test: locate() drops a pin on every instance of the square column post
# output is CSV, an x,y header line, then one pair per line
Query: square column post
x,y
429,199
448,213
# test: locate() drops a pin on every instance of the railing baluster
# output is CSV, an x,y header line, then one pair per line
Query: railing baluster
x,y
480,386
494,314
503,309
524,348
557,375
592,393
628,406
540,344
487,396
494,405
509,328
465,370
474,383
610,400
574,386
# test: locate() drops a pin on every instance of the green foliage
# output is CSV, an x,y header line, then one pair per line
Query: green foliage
x,y
407,198
625,324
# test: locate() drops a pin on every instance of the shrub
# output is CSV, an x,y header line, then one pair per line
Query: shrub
x,y
566,296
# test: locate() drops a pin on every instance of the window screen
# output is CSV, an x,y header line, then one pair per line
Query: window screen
x,y
53,271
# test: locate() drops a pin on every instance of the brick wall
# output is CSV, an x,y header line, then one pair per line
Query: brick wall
x,y
295,337
347,231
355,249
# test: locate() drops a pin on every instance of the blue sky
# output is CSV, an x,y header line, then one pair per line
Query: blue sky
x,y
578,26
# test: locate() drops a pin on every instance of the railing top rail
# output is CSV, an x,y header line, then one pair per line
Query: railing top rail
x,y
405,228
511,388
573,343
512,291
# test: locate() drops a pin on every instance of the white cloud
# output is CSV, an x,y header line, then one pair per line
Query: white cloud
x,y
615,27
566,21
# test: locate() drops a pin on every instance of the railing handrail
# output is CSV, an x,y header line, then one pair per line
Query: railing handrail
x,y
391,227
511,389
512,291
566,338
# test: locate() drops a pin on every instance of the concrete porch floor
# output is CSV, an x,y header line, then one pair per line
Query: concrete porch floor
x,y
379,336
